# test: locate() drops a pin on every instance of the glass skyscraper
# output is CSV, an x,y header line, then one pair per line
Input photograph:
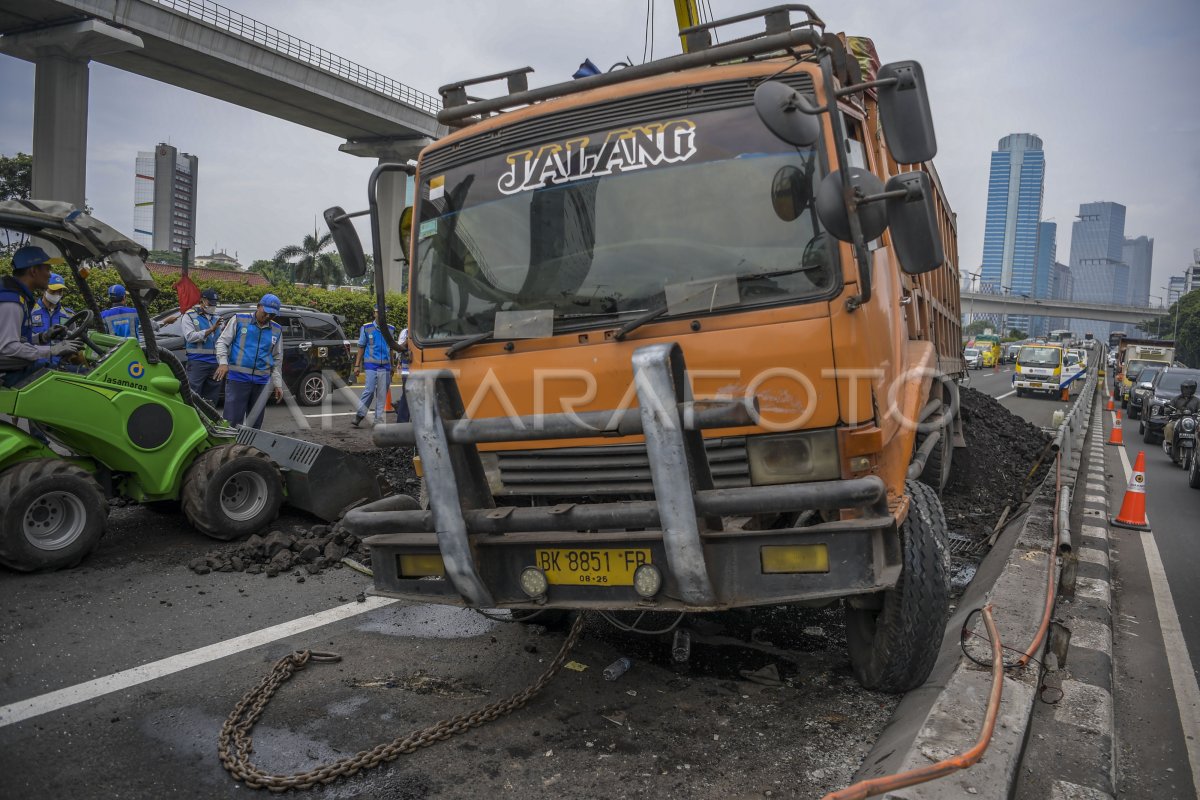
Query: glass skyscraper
x,y
164,199
1047,252
1097,251
1014,211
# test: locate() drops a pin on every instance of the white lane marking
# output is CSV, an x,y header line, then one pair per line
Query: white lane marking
x,y
1187,691
81,692
337,414
1001,397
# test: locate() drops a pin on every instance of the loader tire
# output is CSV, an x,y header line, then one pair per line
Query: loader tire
x,y
893,648
231,491
52,514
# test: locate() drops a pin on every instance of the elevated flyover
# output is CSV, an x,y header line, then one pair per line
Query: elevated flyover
x,y
207,48
981,303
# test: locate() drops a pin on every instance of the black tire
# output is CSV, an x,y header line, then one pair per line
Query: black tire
x,y
1142,428
1194,473
1133,412
232,491
1020,392
52,514
936,473
1186,456
312,389
163,506
893,648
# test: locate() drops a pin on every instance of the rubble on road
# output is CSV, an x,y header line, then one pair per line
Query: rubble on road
x,y
313,550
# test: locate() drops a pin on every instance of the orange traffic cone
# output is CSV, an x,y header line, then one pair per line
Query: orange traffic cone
x,y
387,404
1133,507
1117,437
1109,407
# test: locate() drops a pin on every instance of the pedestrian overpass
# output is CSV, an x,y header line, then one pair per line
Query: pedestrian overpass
x,y
974,303
206,48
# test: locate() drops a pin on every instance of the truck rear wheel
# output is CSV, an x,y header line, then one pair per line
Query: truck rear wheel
x,y
52,514
893,647
232,491
936,473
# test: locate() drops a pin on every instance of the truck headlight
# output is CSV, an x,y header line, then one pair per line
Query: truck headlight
x,y
793,457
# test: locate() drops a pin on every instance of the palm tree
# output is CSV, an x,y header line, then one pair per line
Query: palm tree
x,y
309,261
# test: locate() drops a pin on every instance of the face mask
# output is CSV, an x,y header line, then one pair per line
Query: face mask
x,y
53,297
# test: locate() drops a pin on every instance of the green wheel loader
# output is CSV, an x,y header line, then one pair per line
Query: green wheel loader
x,y
129,426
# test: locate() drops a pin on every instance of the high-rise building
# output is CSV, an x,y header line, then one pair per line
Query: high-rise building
x,y
1176,288
164,199
1191,276
1061,288
1098,272
1139,255
1014,210
1043,274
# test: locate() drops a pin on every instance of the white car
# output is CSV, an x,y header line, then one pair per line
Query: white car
x,y
974,358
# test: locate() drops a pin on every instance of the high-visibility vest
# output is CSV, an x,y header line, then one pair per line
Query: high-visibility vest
x,y
376,353
43,320
12,291
121,321
252,354
206,349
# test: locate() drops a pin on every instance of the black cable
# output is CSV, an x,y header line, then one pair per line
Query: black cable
x,y
967,633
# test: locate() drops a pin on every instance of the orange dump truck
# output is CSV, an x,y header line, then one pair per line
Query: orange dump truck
x,y
685,338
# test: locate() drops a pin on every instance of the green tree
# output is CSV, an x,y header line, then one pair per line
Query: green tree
x,y
978,326
276,272
16,177
1187,339
311,262
165,257
1017,333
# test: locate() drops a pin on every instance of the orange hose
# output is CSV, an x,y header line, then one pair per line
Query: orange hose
x,y
888,783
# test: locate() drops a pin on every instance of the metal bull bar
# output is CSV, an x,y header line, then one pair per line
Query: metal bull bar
x,y
685,502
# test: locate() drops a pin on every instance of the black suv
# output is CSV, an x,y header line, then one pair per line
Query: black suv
x,y
314,344
1164,389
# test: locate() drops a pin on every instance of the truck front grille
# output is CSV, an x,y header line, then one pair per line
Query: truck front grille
x,y
607,470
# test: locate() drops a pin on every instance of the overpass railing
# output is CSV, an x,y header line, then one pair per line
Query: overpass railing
x,y
243,27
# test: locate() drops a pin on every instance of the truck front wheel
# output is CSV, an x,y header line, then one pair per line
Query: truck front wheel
x,y
52,514
893,647
232,491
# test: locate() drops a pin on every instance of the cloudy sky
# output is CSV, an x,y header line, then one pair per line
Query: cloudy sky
x,y
1111,87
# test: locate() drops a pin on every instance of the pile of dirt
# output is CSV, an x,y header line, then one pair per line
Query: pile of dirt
x,y
310,549
994,470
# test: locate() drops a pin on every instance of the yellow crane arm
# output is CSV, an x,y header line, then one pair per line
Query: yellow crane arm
x,y
687,15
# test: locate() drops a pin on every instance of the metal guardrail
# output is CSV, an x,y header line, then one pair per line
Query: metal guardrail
x,y
243,27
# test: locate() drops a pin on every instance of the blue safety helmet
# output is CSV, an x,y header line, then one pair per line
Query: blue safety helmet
x,y
29,256
116,292
270,303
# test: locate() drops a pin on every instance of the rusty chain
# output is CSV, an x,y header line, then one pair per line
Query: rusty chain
x,y
234,744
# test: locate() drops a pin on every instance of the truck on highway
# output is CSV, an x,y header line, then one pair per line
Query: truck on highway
x,y
685,336
989,347
1135,354
1042,369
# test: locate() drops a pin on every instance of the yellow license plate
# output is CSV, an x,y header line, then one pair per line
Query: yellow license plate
x,y
606,567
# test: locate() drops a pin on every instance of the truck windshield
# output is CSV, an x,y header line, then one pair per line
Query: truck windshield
x,y
706,214
1039,356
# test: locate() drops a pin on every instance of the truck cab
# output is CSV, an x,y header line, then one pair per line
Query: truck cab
x,y
1039,369
661,363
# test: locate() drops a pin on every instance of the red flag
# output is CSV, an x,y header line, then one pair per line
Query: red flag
x,y
187,292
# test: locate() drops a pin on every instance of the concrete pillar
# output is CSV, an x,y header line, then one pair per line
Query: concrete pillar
x,y
60,104
60,109
392,196
392,199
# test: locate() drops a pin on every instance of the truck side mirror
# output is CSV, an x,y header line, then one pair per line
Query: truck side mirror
x,y
787,113
406,229
913,223
832,211
904,112
345,237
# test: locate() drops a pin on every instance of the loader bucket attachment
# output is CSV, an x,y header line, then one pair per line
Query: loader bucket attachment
x,y
320,479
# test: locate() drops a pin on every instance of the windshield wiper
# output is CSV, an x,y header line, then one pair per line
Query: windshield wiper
x,y
463,344
639,321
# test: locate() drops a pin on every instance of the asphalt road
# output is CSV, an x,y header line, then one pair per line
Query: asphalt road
x,y
1155,708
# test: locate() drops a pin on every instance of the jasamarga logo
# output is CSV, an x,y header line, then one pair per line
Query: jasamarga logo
x,y
621,151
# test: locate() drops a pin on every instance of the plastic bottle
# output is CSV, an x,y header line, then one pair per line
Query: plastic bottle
x,y
617,668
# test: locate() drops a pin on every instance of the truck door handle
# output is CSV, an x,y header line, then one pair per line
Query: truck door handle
x,y
304,346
